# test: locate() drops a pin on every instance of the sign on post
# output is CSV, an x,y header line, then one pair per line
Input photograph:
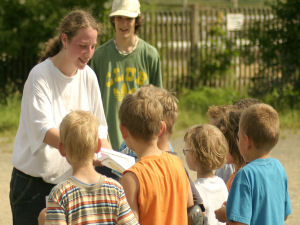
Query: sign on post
x,y
235,21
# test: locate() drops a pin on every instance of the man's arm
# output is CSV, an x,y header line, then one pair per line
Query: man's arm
x,y
131,187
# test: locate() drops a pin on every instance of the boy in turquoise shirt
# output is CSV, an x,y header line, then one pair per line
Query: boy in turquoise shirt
x,y
259,192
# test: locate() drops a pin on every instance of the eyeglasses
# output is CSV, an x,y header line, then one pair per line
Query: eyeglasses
x,y
185,151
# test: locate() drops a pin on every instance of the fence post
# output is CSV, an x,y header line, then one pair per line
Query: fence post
x,y
194,43
195,24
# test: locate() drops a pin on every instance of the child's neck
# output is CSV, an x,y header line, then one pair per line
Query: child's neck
x,y
163,143
86,173
143,149
257,154
205,174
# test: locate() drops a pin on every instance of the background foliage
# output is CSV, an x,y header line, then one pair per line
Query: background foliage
x,y
26,24
279,43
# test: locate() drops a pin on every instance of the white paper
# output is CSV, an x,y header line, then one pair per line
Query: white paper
x,y
115,160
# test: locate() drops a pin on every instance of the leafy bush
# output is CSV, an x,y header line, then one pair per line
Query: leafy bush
x,y
204,97
25,25
283,99
278,40
193,104
209,66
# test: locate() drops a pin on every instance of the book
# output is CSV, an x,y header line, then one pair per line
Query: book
x,y
115,160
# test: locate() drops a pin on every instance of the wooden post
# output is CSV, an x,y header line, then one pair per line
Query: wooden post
x,y
194,44
195,23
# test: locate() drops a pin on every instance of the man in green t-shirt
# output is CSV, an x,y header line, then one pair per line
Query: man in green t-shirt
x,y
124,63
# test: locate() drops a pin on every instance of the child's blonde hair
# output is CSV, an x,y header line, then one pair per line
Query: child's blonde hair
x,y
79,136
208,145
260,122
141,115
168,102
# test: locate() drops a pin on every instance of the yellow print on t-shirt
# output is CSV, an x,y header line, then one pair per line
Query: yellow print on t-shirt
x,y
130,76
120,94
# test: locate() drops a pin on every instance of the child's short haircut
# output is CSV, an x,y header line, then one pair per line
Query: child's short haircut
x,y
229,126
208,145
168,102
141,115
79,136
260,122
246,102
215,112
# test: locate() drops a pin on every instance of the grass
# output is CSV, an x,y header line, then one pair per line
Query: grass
x,y
9,121
9,115
192,106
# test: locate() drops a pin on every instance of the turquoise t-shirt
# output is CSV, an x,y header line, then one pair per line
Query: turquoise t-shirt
x,y
119,75
259,194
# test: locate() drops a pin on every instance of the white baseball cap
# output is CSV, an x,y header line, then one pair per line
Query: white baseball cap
x,y
128,8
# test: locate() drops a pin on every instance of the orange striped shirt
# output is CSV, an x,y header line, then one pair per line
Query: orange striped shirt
x,y
72,202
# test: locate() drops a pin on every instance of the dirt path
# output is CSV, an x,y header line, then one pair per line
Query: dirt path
x,y
287,151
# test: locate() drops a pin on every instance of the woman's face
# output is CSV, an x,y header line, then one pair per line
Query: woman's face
x,y
124,26
81,47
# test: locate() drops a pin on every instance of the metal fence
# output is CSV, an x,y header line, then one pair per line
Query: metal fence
x,y
193,44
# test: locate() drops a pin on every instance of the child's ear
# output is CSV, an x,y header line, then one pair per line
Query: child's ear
x,y
163,128
249,142
99,145
124,131
61,149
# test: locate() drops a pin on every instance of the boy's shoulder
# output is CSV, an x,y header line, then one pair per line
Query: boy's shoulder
x,y
262,162
72,184
111,183
261,167
165,161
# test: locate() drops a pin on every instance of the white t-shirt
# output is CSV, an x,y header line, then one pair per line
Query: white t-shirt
x,y
48,96
214,193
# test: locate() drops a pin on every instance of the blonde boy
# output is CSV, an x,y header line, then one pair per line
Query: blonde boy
x,y
205,150
259,192
87,197
156,187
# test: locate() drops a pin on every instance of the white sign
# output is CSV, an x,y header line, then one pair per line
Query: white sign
x,y
235,21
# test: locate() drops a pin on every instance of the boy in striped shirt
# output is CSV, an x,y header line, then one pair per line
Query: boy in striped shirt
x,y
87,197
